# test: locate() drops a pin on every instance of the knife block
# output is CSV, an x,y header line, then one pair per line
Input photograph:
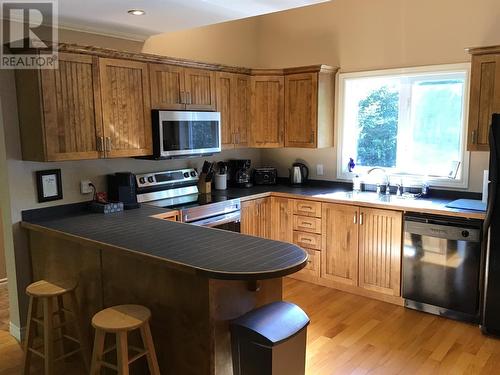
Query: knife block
x,y
204,186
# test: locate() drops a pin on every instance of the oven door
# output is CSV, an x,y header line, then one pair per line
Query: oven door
x,y
230,222
188,133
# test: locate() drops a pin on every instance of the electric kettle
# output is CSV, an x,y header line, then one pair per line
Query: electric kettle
x,y
298,174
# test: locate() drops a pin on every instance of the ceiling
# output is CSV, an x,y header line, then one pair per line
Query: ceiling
x,y
111,17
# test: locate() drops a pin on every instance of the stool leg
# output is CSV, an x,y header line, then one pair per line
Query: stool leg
x,y
147,339
78,327
48,340
97,354
28,340
62,320
122,353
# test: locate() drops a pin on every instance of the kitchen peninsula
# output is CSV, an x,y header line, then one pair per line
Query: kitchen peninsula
x,y
194,279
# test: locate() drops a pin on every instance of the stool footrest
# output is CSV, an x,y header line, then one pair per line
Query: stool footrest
x,y
69,354
34,351
140,353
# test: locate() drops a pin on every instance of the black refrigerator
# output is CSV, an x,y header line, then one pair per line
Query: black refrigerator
x,y
491,304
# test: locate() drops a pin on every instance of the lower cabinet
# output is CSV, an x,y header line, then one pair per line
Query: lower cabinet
x,y
256,217
380,241
339,260
352,248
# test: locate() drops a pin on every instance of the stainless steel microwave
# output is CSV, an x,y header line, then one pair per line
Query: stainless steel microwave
x,y
185,133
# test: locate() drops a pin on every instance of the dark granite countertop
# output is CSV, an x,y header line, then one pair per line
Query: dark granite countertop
x,y
209,252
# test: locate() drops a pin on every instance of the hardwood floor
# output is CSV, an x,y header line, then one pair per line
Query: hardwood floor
x,y
350,334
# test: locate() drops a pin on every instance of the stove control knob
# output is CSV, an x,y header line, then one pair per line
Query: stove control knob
x,y
151,179
465,233
142,180
186,175
193,174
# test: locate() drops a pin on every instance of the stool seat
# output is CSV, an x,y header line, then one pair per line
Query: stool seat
x,y
45,288
121,318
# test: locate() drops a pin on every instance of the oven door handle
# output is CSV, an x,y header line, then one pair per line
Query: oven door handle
x,y
218,220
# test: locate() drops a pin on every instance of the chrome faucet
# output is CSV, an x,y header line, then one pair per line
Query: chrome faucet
x,y
386,177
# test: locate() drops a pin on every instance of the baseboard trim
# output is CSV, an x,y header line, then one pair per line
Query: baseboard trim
x,y
16,332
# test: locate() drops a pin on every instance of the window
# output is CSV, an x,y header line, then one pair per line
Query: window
x,y
411,122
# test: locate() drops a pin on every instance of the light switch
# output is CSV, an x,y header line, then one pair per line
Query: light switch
x,y
319,169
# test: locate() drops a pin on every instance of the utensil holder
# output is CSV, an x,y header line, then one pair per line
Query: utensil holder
x,y
220,181
204,186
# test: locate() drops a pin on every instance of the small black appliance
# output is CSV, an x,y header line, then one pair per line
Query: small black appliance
x,y
239,172
122,188
265,176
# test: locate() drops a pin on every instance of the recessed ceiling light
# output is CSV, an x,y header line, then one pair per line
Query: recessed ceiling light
x,y
136,12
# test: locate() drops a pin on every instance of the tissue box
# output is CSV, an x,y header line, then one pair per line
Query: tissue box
x,y
106,208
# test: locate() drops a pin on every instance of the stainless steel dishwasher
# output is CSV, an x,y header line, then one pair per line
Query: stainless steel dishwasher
x,y
442,265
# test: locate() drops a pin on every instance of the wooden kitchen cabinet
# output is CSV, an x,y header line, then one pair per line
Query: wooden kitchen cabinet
x,y
380,241
339,257
484,96
126,107
267,112
281,219
60,110
256,218
179,88
309,108
233,102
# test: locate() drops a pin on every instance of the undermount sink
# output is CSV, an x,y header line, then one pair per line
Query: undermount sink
x,y
366,196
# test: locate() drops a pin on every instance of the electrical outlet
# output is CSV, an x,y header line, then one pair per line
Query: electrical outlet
x,y
319,170
85,187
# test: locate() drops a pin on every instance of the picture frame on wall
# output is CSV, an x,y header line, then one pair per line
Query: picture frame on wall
x,y
49,185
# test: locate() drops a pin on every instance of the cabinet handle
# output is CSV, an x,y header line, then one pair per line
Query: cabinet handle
x,y
306,239
183,97
306,224
474,137
355,218
361,218
237,138
100,144
108,144
312,137
189,100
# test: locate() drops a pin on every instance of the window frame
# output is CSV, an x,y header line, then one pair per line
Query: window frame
x,y
345,175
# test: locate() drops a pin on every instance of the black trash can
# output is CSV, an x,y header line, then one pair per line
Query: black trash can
x,y
270,340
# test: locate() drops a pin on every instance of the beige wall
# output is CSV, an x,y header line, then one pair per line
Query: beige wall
x,y
21,180
352,34
232,43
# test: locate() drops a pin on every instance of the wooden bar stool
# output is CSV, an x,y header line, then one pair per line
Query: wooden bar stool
x,y
120,320
50,294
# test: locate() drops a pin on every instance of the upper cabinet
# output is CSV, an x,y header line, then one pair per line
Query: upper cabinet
x,y
178,88
484,96
98,103
309,102
60,110
126,108
267,112
233,102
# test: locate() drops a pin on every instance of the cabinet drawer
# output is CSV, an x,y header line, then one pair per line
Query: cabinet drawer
x,y
307,224
307,208
307,240
313,263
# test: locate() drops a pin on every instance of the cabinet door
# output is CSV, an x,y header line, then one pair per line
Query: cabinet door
x,y
267,106
339,256
256,217
126,107
200,90
301,110
380,250
484,99
72,109
225,104
241,110
281,219
167,87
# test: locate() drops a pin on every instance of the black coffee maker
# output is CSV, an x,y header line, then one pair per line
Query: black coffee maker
x,y
239,173
122,188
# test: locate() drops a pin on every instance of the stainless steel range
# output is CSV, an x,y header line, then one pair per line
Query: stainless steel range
x,y
178,190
